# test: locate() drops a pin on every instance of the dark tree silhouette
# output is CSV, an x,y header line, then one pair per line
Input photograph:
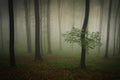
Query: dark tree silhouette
x,y
108,29
84,28
11,23
1,32
37,32
28,29
48,28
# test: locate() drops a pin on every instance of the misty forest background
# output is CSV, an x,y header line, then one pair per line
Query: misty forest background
x,y
36,46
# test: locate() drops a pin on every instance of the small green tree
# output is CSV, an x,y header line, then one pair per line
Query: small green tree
x,y
91,39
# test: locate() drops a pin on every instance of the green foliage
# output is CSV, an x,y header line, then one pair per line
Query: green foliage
x,y
91,39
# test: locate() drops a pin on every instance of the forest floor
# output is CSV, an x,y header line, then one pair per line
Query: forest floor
x,y
59,67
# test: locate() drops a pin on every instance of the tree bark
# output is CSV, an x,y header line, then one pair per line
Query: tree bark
x,y
48,28
84,28
28,28
108,29
11,23
37,32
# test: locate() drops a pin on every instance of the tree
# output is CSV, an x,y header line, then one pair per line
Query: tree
x,y
28,29
1,32
37,32
84,28
11,23
116,17
48,27
90,41
108,29
59,22
119,41
118,36
101,16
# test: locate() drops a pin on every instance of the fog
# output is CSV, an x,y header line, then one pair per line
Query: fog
x,y
40,50
71,14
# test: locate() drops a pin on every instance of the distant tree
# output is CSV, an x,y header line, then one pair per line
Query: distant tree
x,y
11,23
16,11
73,17
108,29
1,33
118,36
101,16
28,28
59,22
37,31
119,40
48,27
41,28
116,18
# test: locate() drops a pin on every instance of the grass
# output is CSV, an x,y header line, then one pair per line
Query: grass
x,y
60,66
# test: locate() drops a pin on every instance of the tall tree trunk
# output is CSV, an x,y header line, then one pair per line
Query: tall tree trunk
x,y
101,18
73,24
41,28
119,40
28,28
15,21
59,22
108,29
118,35
48,28
1,33
115,37
45,27
37,32
11,23
84,28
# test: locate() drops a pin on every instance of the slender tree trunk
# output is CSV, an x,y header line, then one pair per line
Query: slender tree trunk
x,y
37,32
15,21
11,23
45,26
115,37
84,28
73,24
119,41
28,28
59,22
1,33
101,18
41,28
118,35
108,29
48,28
